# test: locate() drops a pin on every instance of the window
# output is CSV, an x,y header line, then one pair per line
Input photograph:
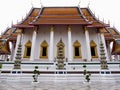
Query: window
x,y
27,49
77,49
93,47
93,51
44,50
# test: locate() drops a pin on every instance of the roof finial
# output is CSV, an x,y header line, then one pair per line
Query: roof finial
x,y
41,4
94,13
17,21
103,20
79,3
22,18
88,4
109,22
31,3
98,17
26,14
114,24
12,23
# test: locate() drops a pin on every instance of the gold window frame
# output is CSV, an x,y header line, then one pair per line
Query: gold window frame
x,y
78,45
94,45
44,44
28,44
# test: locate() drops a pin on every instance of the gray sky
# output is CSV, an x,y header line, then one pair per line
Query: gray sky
x,y
14,10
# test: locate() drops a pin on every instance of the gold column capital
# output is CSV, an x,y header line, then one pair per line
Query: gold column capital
x,y
36,29
52,28
69,28
85,28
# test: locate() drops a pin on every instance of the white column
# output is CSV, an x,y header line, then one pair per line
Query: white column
x,y
103,41
51,57
109,50
12,51
87,49
69,44
32,55
16,46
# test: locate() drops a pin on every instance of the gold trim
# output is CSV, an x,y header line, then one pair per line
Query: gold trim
x,y
85,28
52,28
44,44
77,44
69,28
58,44
28,44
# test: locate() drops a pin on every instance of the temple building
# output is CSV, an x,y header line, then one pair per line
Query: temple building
x,y
44,29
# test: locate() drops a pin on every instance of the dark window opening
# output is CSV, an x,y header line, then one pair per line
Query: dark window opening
x,y
44,52
93,51
28,51
77,51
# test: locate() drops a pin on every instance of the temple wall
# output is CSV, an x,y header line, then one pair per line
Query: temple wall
x,y
27,35
42,34
78,34
60,32
95,37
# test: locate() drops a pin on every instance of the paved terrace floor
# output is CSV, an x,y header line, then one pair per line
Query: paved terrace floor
x,y
100,84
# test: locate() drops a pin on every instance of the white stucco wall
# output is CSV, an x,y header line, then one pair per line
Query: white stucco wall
x,y
60,32
27,35
95,37
78,34
43,34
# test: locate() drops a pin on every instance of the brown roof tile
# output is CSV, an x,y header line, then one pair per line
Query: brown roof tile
x,y
60,15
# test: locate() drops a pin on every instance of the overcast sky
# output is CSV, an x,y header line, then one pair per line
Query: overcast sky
x,y
14,10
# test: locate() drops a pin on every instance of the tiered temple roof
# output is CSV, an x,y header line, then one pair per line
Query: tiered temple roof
x,y
60,15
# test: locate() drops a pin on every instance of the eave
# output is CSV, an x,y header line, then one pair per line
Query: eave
x,y
23,26
61,21
98,26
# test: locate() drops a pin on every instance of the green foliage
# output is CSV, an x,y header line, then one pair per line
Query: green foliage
x,y
84,66
36,72
0,65
36,67
87,77
86,73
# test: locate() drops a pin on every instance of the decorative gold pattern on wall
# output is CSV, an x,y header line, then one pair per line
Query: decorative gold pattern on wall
x,y
58,45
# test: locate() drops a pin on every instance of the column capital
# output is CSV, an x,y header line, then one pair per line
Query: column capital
x,y
35,29
52,28
69,28
85,28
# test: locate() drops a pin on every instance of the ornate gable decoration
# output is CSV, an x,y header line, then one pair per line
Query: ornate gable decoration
x,y
76,43
44,44
28,43
92,44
